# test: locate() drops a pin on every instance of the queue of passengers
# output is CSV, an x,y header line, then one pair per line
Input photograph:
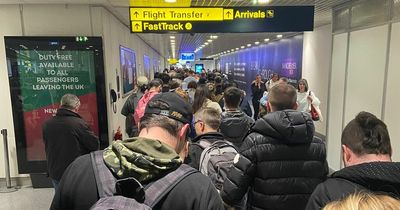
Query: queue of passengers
x,y
195,144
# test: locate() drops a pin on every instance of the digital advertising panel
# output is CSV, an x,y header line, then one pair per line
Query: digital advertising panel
x,y
283,57
43,69
128,69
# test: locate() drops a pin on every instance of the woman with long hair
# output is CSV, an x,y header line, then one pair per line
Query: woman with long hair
x,y
306,98
202,99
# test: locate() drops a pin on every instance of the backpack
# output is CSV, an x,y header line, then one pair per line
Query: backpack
x,y
141,106
216,160
128,193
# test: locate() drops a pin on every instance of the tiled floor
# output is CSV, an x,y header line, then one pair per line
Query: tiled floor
x,y
27,198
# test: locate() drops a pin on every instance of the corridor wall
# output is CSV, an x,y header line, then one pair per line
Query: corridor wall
x,y
363,78
67,20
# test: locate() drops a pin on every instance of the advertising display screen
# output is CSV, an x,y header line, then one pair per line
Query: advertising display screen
x,y
43,69
283,57
198,68
128,69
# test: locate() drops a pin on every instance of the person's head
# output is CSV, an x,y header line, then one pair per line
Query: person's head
x,y
192,85
200,96
206,120
142,83
365,139
175,83
155,85
218,80
191,73
283,80
274,77
71,102
363,201
302,86
258,78
232,97
282,96
166,118
165,78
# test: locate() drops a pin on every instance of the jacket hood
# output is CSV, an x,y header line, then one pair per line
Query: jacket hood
x,y
290,126
141,158
375,176
234,124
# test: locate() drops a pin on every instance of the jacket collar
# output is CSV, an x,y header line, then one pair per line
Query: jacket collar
x,y
67,112
375,176
211,136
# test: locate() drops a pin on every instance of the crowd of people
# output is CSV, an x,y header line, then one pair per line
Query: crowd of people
x,y
194,143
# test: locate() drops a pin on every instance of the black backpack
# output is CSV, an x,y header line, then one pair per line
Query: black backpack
x,y
128,193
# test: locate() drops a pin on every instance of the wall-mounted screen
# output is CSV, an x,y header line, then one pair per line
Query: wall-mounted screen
x,y
43,69
146,66
187,57
198,68
128,69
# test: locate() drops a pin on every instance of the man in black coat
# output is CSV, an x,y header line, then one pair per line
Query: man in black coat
x,y
368,167
280,161
66,136
206,124
159,149
130,105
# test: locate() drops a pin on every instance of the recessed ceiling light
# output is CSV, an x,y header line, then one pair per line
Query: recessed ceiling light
x,y
242,46
206,43
279,36
266,40
213,37
263,1
232,50
210,40
248,45
172,37
237,48
202,45
256,43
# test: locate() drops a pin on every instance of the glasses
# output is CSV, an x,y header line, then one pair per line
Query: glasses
x,y
197,122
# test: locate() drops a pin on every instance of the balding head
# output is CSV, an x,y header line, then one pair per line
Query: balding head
x,y
282,96
70,101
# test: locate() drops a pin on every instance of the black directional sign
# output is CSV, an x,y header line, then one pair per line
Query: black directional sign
x,y
222,20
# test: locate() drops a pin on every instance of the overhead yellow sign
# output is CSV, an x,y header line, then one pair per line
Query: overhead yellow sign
x,y
159,3
177,14
220,19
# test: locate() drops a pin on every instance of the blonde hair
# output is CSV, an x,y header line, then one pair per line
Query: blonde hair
x,y
365,201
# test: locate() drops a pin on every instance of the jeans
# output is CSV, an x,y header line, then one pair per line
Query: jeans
x,y
55,184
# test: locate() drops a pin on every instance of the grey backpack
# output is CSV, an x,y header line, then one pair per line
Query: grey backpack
x,y
128,193
216,160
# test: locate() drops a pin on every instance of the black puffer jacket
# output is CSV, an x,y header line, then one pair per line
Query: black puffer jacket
x,y
234,126
382,177
280,162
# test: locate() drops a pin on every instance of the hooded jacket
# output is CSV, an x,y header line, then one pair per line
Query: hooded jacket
x,y
235,125
144,159
379,177
280,163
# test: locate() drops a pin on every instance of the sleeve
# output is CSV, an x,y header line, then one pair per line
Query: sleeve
x,y
212,199
129,106
87,138
241,174
316,101
318,198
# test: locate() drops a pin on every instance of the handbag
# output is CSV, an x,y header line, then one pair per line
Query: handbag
x,y
314,113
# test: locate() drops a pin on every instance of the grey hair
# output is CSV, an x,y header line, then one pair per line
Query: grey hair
x,y
69,101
